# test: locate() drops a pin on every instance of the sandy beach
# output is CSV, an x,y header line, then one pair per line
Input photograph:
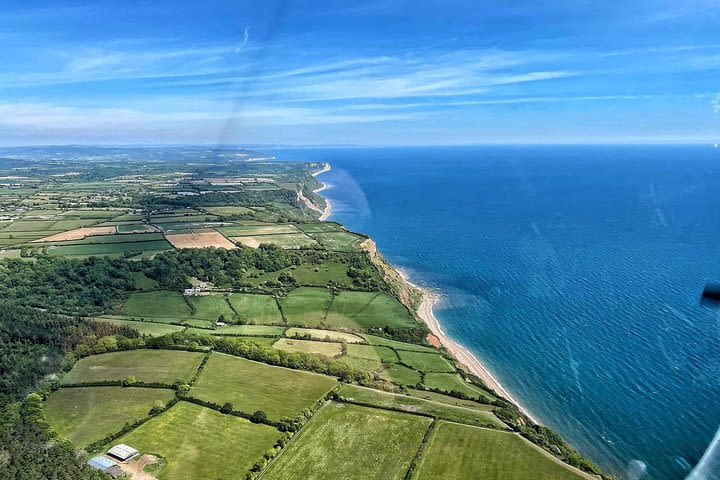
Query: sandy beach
x,y
328,204
469,361
462,354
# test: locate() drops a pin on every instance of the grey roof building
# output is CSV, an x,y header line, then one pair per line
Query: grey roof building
x,y
122,452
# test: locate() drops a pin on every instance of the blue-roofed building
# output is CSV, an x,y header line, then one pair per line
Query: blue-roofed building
x,y
101,463
106,465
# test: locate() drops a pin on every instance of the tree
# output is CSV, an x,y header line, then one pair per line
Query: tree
x,y
157,407
183,388
258,417
129,381
227,408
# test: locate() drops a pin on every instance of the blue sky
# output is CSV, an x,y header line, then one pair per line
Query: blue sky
x,y
372,72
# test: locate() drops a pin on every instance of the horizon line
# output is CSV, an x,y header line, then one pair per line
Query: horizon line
x,y
368,145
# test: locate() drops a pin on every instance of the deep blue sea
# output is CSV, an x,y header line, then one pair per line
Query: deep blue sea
x,y
574,273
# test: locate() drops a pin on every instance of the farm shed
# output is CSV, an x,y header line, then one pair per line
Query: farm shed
x,y
101,463
122,452
106,465
115,472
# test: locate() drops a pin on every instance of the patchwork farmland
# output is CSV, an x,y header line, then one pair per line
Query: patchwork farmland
x,y
198,313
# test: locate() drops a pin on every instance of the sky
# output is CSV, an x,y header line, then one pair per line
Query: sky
x,y
372,72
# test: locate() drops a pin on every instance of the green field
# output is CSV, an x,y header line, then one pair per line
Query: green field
x,y
339,241
349,442
251,386
162,304
401,375
255,230
448,382
108,248
147,328
10,254
163,366
260,309
309,346
458,452
144,283
410,404
196,322
241,330
313,275
113,238
426,362
306,306
289,240
317,334
448,400
361,363
372,352
261,340
228,211
374,340
210,307
30,226
200,443
86,415
362,310
320,227
135,228
320,275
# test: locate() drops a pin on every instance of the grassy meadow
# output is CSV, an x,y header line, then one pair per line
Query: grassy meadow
x,y
160,304
470,416
426,362
400,375
306,306
86,414
362,310
449,382
260,309
162,366
458,452
200,443
317,334
309,346
146,328
251,386
210,307
349,442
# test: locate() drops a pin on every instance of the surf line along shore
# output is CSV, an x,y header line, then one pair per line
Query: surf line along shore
x,y
325,214
426,313
466,358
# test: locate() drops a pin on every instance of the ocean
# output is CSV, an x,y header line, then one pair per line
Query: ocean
x,y
574,273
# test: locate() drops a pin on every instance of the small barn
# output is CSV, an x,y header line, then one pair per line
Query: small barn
x,y
106,465
122,452
101,463
115,472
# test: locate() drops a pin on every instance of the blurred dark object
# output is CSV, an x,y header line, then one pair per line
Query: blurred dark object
x,y
711,295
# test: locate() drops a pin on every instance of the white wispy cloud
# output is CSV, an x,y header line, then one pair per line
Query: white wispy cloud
x,y
206,115
716,103
246,37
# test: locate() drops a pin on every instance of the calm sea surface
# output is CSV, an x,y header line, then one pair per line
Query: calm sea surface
x,y
574,273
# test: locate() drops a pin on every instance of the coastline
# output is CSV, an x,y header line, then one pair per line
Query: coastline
x,y
327,211
426,313
463,356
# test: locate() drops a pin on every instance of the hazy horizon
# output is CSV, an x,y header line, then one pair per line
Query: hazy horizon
x,y
372,73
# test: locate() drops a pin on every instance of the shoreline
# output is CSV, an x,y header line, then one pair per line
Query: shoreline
x,y
464,357
327,211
